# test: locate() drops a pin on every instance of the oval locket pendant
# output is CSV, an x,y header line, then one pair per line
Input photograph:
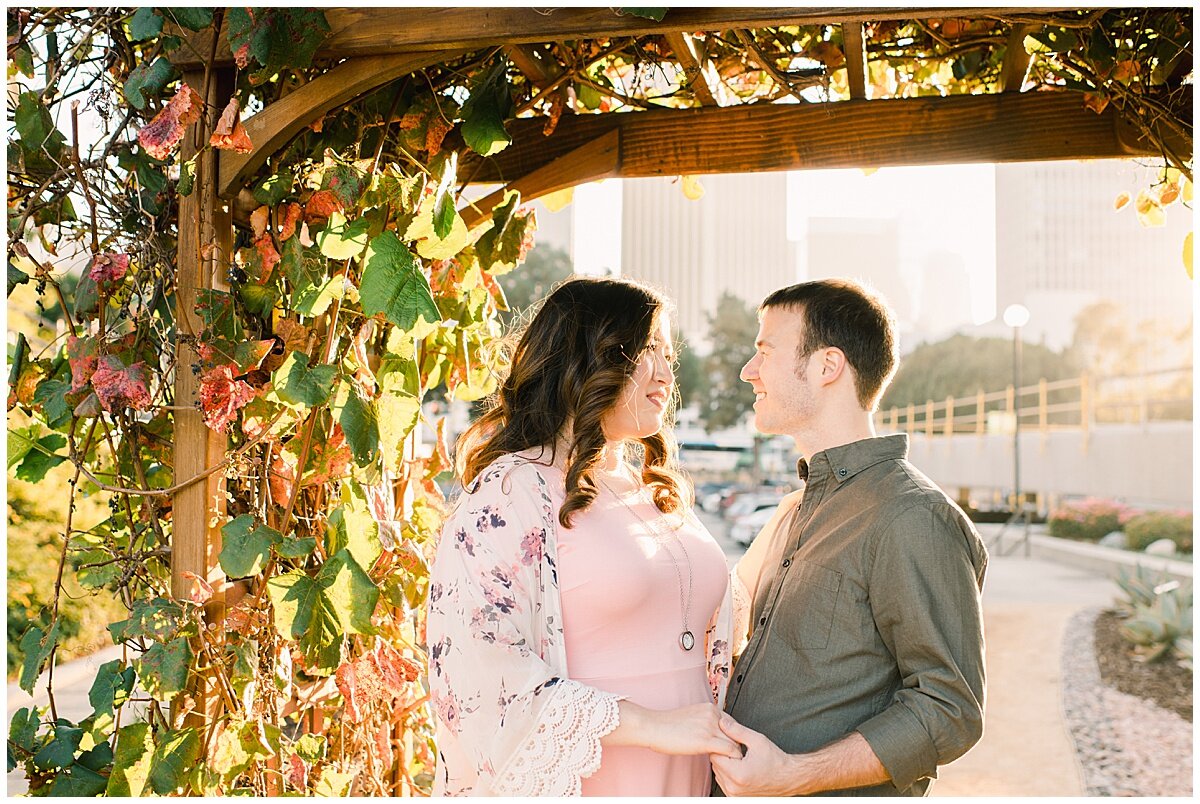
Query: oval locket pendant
x,y
687,641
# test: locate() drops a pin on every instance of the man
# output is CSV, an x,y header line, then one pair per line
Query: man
x,y
864,667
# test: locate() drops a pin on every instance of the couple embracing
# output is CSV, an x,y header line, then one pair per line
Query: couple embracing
x,y
585,636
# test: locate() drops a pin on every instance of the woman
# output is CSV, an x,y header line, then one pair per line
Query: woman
x,y
573,632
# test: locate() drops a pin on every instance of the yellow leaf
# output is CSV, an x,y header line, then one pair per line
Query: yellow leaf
x,y
1149,213
1187,254
558,200
693,190
1168,193
869,171
1121,201
1186,193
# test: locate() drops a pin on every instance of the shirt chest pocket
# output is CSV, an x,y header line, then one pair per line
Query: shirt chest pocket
x,y
807,604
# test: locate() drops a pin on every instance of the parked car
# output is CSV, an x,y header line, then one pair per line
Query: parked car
x,y
746,527
751,502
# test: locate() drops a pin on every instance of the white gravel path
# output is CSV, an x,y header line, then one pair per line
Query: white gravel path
x,y
1127,746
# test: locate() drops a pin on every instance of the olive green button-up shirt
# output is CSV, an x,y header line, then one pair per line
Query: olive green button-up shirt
x,y
867,618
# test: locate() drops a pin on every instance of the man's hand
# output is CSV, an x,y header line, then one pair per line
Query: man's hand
x,y
765,770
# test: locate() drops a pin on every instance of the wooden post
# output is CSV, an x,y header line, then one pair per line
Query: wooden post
x,y
910,418
1085,409
198,509
950,415
980,405
929,418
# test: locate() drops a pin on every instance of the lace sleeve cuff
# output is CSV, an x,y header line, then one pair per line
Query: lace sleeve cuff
x,y
564,746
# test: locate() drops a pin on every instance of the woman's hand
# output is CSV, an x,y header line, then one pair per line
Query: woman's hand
x,y
692,729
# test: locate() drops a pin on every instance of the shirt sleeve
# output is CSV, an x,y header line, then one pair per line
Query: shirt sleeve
x,y
925,583
517,721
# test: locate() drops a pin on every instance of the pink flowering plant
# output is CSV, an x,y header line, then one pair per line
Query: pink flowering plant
x,y
1089,520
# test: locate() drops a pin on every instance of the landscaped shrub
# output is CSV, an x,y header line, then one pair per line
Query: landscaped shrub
x,y
1159,612
1089,520
1144,529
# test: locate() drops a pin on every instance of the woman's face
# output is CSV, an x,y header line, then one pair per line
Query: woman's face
x,y
643,402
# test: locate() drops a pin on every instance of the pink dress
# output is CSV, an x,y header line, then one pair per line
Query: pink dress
x,y
622,620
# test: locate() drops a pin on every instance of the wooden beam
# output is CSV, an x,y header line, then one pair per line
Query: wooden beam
x,y
854,41
684,47
374,31
202,259
1016,59
539,73
274,126
877,133
598,159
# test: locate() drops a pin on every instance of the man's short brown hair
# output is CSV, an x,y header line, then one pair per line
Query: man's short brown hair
x,y
844,314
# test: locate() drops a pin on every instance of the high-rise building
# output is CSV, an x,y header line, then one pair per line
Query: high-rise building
x,y
732,239
1060,246
863,249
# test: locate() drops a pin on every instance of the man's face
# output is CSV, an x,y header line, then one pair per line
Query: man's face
x,y
784,402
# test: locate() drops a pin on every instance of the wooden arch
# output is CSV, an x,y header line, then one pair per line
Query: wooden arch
x,y
375,46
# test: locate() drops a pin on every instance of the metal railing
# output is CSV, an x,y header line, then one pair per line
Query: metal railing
x,y
1072,404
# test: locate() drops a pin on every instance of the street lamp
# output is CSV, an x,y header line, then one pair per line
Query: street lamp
x,y
1017,316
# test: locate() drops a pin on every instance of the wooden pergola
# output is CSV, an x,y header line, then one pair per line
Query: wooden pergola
x,y
700,128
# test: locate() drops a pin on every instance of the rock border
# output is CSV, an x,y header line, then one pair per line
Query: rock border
x,y
1125,746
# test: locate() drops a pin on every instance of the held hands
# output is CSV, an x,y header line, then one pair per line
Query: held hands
x,y
765,770
691,730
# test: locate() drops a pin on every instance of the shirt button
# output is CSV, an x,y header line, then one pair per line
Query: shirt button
x,y
787,562
762,620
739,678
843,472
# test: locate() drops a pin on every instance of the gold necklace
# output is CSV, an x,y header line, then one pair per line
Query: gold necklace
x,y
687,640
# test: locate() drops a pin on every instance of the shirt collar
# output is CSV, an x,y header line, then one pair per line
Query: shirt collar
x,y
845,461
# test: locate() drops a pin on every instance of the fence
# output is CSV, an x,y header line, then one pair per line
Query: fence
x,y
1077,403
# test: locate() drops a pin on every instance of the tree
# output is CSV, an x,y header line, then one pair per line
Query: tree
x,y
962,365
732,330
545,266
689,374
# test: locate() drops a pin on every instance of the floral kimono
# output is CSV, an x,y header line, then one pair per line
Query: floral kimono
x,y
511,722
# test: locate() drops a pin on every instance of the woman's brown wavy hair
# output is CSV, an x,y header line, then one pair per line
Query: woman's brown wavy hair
x,y
568,370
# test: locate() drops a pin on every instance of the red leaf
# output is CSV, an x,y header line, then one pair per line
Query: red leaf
x,y
293,334
230,134
109,267
81,355
165,131
282,477
199,590
119,386
268,254
297,773
437,131
259,219
221,397
321,205
242,56
328,460
347,684
292,215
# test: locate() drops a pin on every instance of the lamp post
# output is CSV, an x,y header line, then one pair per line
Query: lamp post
x,y
1017,316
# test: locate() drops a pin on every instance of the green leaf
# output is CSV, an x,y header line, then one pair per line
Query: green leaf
x,y
87,297
163,669
79,780
443,197
273,189
15,277
345,180
20,442
485,111
360,423
52,396
277,38
399,412
258,299
310,748
300,386
588,95
111,688
499,248
41,458
187,177
144,24
131,762
351,591
193,18
36,645
296,548
158,619
314,300
333,783
353,528
245,549
147,80
303,613
36,128
340,240
655,14
173,759
393,284
23,729
60,751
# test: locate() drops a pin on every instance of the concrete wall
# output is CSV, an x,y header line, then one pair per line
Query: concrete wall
x,y
1143,465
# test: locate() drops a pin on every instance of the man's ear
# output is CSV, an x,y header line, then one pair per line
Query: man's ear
x,y
832,365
